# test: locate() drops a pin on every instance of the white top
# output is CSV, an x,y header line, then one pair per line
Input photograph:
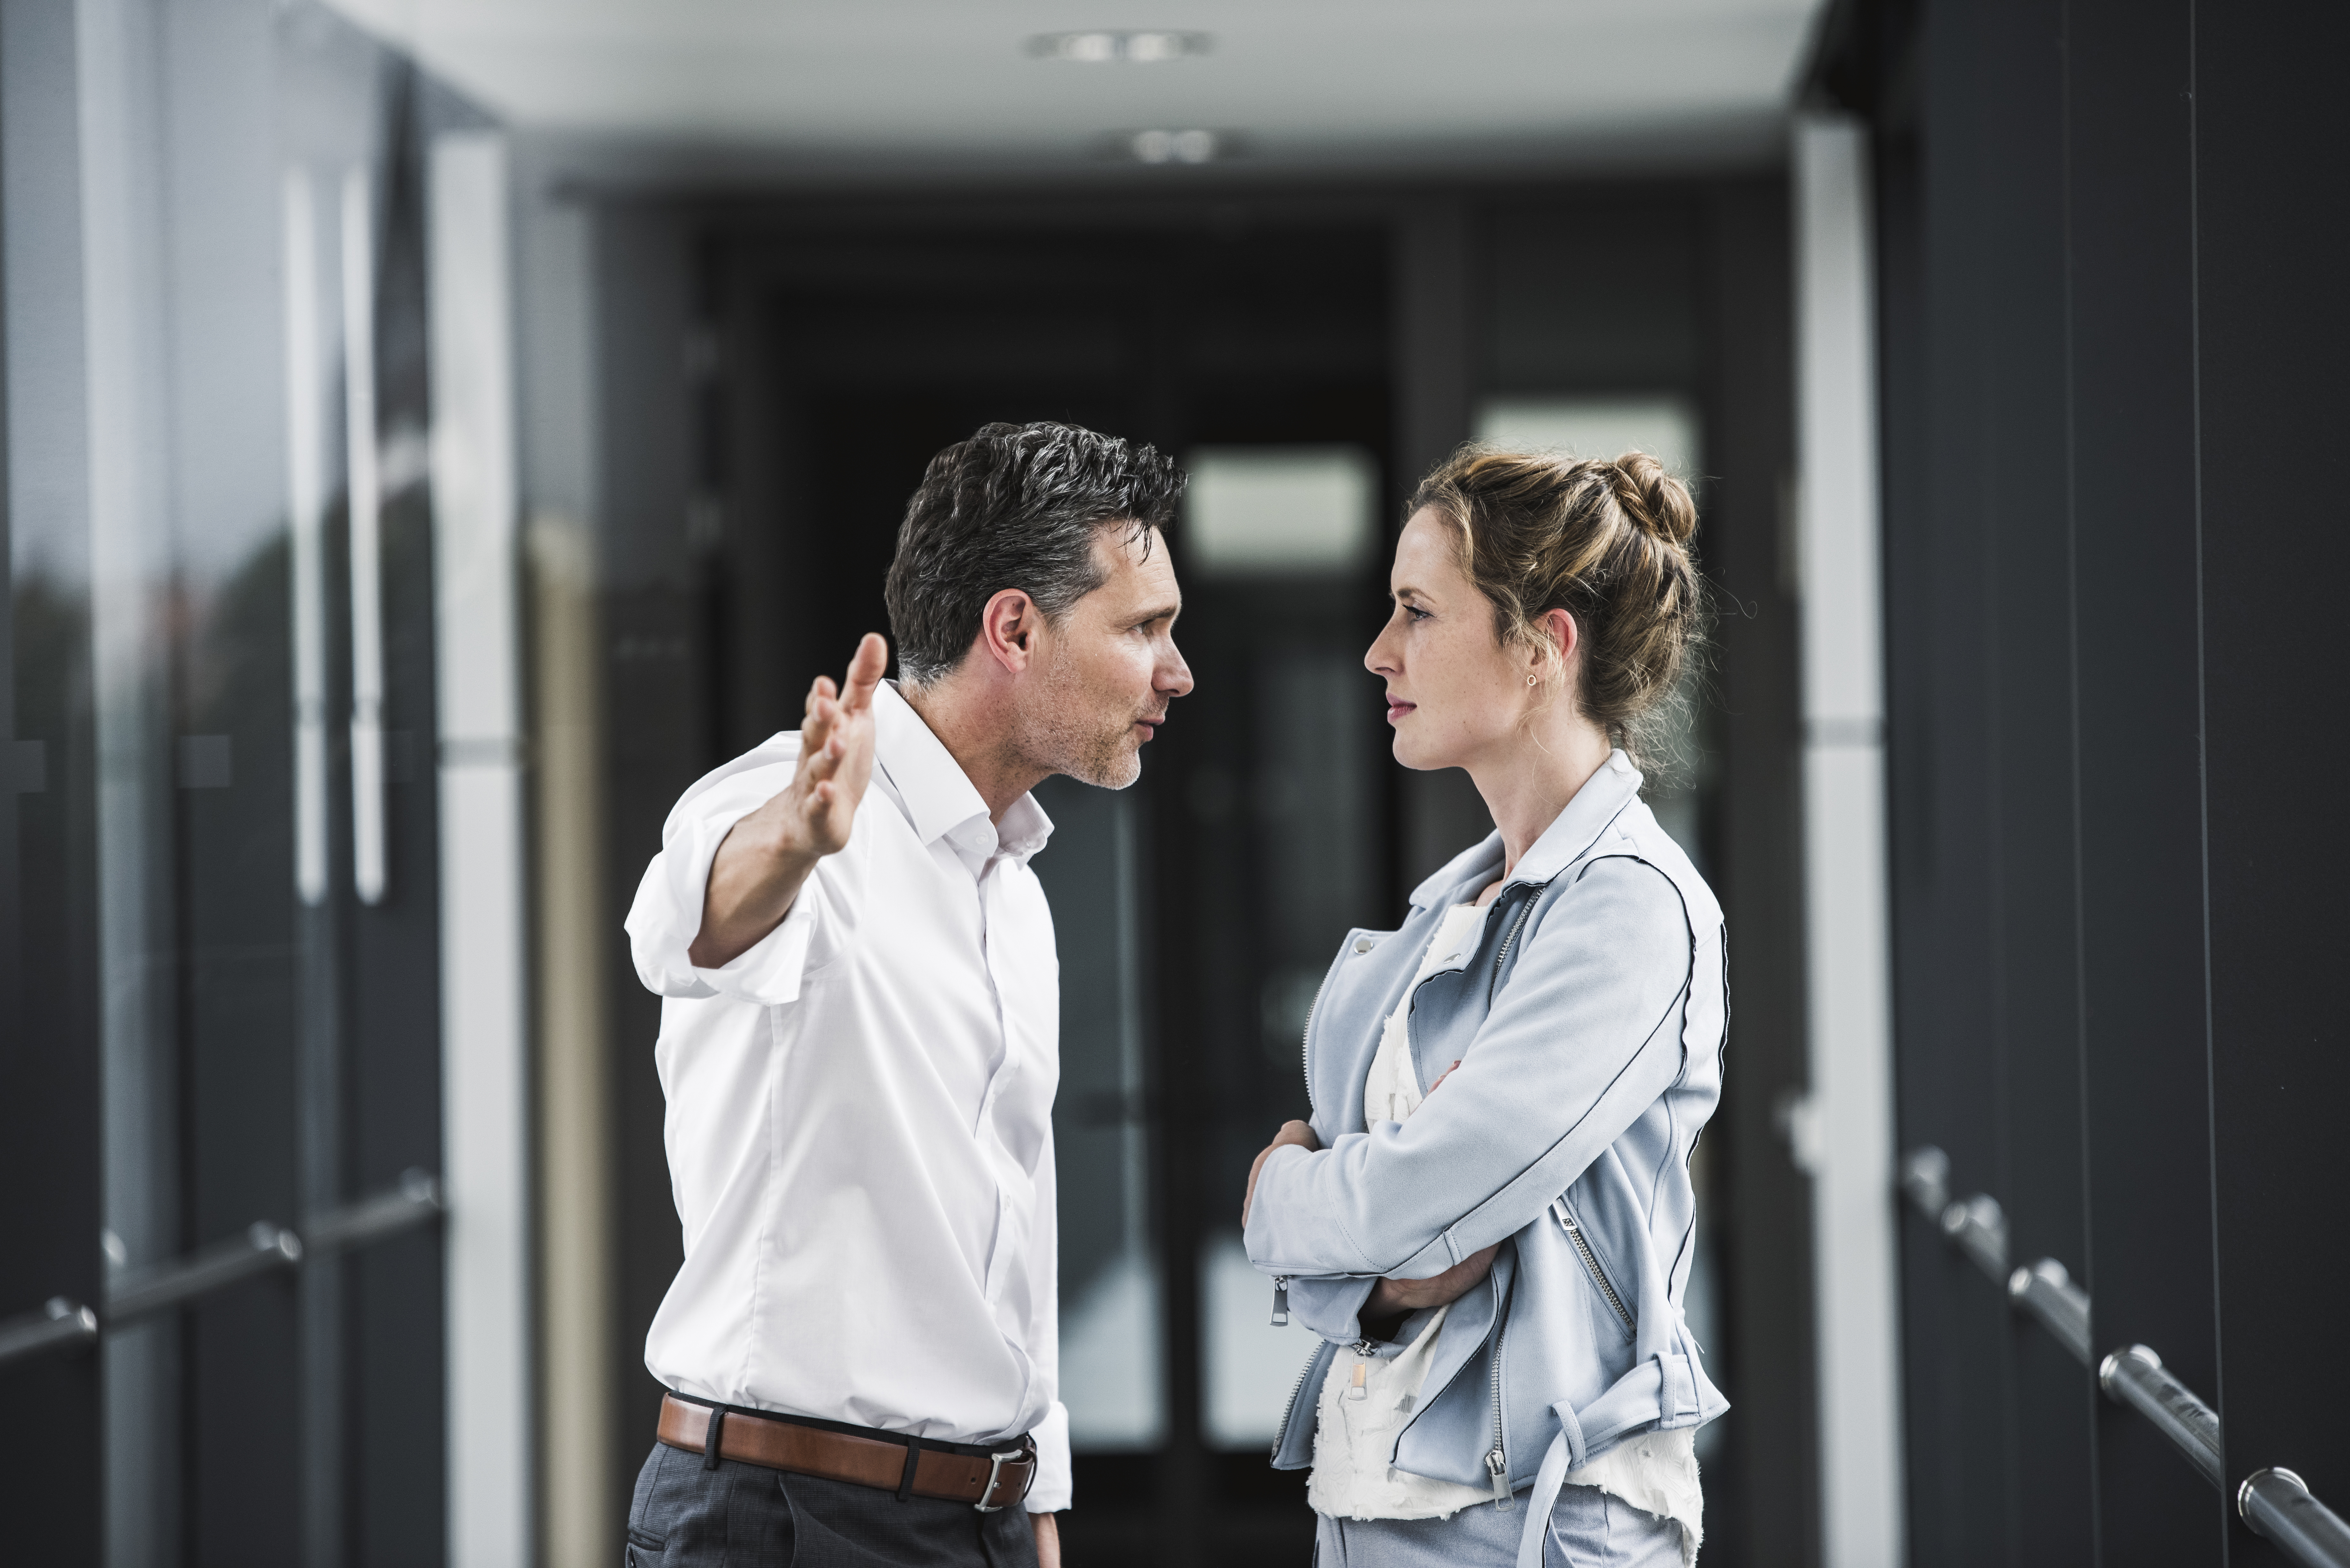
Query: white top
x,y
859,1125
1370,1390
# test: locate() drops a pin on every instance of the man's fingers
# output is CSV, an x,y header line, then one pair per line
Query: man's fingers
x,y
818,766
819,690
871,662
823,719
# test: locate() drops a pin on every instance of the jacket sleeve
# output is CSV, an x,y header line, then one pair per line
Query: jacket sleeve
x,y
667,915
1331,1305
1583,1037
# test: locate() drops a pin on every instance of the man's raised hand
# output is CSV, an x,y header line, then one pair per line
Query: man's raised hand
x,y
836,753
757,872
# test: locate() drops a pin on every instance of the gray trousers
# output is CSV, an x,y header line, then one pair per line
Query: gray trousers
x,y
743,1516
1589,1529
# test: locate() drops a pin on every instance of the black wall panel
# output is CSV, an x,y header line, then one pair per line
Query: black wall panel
x,y
2112,338
2147,1265
2272,129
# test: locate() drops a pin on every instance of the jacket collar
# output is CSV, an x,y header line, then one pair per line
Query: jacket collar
x,y
1601,799
938,798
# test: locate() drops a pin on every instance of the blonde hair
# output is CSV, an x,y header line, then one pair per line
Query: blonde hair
x,y
1609,542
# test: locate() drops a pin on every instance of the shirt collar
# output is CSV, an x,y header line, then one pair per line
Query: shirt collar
x,y
939,797
1603,796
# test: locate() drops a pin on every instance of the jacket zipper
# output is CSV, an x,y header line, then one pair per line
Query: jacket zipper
x,y
1591,1261
1305,1051
1507,942
1306,1035
1497,1459
1281,1433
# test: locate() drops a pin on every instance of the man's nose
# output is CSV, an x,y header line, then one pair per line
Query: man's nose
x,y
1176,681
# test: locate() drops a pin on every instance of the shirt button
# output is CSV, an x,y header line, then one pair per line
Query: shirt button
x,y
1363,944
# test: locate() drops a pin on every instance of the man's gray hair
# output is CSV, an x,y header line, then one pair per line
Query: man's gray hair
x,y
1015,507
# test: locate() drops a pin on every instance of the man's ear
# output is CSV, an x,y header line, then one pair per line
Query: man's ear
x,y
1008,628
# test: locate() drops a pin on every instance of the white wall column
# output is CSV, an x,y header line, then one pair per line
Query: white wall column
x,y
485,956
1846,1135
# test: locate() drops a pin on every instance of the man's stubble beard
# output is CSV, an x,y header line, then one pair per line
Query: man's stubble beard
x,y
1066,740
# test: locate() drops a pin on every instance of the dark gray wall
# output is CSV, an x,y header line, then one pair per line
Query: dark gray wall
x,y
2111,351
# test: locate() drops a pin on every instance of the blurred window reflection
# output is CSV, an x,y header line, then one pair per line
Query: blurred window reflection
x,y
1279,509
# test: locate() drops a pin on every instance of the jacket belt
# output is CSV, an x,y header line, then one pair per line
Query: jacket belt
x,y
906,1466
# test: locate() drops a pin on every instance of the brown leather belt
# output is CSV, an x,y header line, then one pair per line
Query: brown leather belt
x,y
907,1466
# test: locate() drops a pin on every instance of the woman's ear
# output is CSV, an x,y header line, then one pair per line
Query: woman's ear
x,y
1559,628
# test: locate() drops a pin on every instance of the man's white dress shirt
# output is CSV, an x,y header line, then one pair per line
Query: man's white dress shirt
x,y
859,1123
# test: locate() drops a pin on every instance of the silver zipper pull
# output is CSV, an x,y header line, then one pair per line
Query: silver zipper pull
x,y
1497,1464
1281,1302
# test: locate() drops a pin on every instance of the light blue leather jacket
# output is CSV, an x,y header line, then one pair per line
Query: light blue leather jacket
x,y
1588,1018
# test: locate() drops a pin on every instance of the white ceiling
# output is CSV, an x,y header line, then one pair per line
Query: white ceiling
x,y
1291,83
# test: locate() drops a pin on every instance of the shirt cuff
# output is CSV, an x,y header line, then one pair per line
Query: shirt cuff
x,y
666,919
769,971
1054,1483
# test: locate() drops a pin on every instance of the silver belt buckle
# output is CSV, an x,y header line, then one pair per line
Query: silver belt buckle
x,y
995,1472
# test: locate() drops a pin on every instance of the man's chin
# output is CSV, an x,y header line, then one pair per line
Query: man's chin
x,y
1116,770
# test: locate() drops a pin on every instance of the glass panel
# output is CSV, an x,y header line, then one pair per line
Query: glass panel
x,y
1315,877
259,561
1110,1356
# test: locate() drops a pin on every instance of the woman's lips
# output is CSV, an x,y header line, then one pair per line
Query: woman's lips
x,y
1398,708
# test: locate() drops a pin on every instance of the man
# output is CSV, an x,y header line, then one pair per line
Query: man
x,y
860,1043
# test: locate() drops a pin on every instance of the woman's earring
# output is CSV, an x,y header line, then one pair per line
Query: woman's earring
x,y
1535,679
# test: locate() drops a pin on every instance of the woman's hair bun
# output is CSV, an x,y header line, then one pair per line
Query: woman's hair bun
x,y
1653,499
1609,543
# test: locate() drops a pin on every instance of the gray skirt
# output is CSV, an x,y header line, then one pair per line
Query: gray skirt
x,y
1589,1529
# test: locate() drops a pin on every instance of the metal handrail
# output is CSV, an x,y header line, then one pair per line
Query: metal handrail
x,y
62,1325
2275,1503
2046,1291
1979,1225
262,1248
2134,1376
265,1248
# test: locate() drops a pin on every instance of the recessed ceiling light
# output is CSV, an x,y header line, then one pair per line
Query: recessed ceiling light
x,y
1175,146
1096,48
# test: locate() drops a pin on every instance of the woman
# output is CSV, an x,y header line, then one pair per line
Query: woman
x,y
1496,1266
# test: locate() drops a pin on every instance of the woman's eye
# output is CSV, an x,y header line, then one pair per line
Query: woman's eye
x,y
1415,612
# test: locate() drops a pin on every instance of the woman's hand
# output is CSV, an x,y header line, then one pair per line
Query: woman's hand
x,y
1395,1298
1296,1133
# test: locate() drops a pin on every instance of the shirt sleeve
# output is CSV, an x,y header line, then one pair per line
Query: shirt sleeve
x,y
1051,1493
1056,1483
667,915
1583,1039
